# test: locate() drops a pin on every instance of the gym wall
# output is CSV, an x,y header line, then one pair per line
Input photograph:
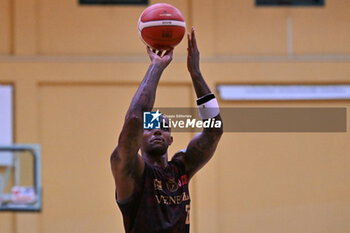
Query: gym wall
x,y
75,69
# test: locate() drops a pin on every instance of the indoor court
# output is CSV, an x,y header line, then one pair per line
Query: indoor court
x,y
68,72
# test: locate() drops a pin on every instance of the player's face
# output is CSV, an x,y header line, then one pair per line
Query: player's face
x,y
156,141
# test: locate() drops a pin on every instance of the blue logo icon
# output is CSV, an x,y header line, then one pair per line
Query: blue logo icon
x,y
151,120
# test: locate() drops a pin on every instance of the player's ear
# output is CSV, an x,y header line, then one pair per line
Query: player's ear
x,y
171,140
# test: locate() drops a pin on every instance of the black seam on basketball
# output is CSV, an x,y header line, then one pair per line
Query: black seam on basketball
x,y
164,26
164,20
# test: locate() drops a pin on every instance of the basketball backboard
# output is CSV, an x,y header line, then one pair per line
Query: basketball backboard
x,y
20,177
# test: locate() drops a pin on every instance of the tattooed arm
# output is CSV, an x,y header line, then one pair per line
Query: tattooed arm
x,y
202,147
126,164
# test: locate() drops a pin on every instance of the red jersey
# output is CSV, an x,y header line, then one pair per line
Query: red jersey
x,y
160,203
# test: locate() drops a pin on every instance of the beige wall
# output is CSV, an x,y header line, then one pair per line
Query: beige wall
x,y
5,26
75,69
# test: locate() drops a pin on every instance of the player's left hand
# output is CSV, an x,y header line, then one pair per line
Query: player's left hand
x,y
193,53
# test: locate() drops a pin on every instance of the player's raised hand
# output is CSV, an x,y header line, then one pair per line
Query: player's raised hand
x,y
193,53
158,58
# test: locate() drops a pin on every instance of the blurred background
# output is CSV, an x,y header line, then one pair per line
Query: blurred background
x,y
74,69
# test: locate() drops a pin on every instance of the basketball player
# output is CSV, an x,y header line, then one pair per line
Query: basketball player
x,y
152,192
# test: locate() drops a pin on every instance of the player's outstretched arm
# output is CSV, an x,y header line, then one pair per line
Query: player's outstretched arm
x,y
126,164
202,147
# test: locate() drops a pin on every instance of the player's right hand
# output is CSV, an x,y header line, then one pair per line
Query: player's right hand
x,y
158,58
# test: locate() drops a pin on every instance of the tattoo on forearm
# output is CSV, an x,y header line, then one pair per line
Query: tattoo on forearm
x,y
145,95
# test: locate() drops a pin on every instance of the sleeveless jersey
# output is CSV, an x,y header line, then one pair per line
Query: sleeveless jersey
x,y
160,203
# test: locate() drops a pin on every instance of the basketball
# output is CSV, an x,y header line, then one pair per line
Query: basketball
x,y
161,26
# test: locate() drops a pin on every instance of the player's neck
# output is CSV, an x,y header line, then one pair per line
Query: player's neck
x,y
161,161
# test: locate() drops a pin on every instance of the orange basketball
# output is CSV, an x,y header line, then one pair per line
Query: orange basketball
x,y
161,26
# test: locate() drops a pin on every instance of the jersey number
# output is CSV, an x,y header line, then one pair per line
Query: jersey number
x,y
188,214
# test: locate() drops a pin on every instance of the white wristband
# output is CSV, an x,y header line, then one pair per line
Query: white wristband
x,y
209,109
